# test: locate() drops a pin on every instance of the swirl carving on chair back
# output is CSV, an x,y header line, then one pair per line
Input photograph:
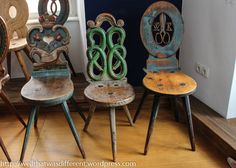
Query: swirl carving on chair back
x,y
106,55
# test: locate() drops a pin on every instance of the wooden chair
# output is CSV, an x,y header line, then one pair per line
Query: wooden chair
x,y
50,83
16,26
4,77
162,34
107,69
61,17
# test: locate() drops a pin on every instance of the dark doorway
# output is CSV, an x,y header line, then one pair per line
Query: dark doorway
x,y
131,12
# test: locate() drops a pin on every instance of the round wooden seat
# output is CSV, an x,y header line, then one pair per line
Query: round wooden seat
x,y
170,83
47,91
110,93
17,44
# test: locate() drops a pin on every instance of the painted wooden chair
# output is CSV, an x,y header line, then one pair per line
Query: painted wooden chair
x,y
60,9
17,31
50,83
4,77
107,69
162,33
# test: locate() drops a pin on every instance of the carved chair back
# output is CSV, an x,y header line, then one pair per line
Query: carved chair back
x,y
161,31
60,9
106,51
47,43
4,45
15,14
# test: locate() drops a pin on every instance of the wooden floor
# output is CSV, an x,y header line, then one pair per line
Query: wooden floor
x,y
53,141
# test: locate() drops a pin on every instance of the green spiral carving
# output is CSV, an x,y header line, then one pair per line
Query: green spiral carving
x,y
108,56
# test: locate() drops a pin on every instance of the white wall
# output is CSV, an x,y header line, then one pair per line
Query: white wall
x,y
210,39
77,47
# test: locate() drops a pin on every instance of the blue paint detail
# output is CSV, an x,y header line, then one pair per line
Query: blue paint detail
x,y
146,32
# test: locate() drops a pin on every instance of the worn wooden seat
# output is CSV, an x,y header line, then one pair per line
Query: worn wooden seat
x,y
50,82
16,23
60,9
170,83
110,93
161,31
107,69
4,77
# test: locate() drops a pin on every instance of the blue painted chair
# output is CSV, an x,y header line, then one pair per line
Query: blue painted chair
x,y
51,82
107,69
162,33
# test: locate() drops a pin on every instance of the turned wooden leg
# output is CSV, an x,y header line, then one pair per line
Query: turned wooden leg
x,y
186,102
69,62
5,150
27,133
78,109
73,128
155,109
36,118
11,107
113,132
174,108
140,105
126,109
90,115
22,64
9,63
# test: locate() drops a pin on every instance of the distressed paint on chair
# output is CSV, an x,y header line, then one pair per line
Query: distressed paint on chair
x,y
107,69
161,31
50,83
60,9
161,37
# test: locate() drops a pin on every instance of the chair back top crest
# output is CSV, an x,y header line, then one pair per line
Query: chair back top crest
x,y
4,41
15,13
60,9
48,41
106,51
162,29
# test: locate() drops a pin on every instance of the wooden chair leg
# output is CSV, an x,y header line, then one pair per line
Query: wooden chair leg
x,y
126,109
22,64
90,115
155,109
113,132
186,102
140,105
11,107
5,150
9,63
73,128
78,109
27,53
69,62
27,133
174,108
36,118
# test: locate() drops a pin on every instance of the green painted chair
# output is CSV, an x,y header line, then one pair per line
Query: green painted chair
x,y
51,82
107,69
161,31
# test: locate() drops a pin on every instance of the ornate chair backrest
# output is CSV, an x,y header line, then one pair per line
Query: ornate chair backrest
x,y
60,9
4,45
106,52
16,21
161,31
48,42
